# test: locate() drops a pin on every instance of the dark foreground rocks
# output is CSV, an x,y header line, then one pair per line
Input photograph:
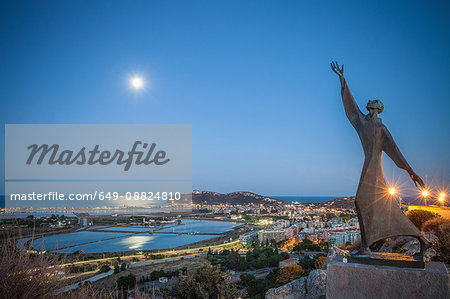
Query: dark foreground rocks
x,y
312,287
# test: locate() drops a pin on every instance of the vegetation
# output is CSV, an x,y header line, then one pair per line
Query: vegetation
x,y
441,228
126,282
419,217
26,275
81,268
104,268
155,275
289,273
257,288
309,265
307,245
254,259
320,261
206,281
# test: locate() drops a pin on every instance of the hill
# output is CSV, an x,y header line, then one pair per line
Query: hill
x,y
244,197
347,203
239,197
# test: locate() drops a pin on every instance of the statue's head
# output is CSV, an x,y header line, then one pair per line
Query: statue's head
x,y
375,105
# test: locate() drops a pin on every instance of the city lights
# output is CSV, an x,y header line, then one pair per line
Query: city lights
x,y
392,191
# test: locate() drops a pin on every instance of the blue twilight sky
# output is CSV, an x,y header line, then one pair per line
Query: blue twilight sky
x,y
252,77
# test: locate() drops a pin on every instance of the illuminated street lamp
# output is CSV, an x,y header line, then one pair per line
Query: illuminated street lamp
x,y
392,192
425,194
441,198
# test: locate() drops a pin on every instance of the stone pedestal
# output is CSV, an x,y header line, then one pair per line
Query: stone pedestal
x,y
348,281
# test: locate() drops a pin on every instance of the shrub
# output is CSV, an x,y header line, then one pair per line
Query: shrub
x,y
320,262
206,282
289,273
441,228
126,282
436,226
104,268
27,275
419,217
123,267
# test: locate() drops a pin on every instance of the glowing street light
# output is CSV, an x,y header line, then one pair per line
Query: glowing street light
x,y
392,192
441,198
425,194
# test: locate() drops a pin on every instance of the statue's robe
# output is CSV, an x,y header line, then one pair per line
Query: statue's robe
x,y
379,214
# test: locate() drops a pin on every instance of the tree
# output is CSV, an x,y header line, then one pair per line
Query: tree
x,y
116,269
320,261
123,267
307,264
247,279
419,217
289,273
207,281
306,245
126,282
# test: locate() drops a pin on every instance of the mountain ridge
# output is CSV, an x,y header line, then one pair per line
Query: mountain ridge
x,y
246,197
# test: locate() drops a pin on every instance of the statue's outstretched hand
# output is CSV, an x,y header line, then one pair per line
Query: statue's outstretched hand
x,y
416,179
335,68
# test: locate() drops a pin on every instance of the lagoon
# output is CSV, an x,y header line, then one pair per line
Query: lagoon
x,y
132,238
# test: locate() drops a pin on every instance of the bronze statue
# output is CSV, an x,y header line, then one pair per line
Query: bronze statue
x,y
379,215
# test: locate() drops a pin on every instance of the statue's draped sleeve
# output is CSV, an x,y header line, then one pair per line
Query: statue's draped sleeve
x,y
351,108
391,149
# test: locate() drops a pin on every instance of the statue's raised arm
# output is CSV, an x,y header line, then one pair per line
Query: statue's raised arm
x,y
351,108
391,149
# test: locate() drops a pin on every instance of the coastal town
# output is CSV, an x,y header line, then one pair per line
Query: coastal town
x,y
257,243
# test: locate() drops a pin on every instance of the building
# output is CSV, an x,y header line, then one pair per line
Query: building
x,y
290,232
269,235
353,222
282,223
247,238
344,237
288,262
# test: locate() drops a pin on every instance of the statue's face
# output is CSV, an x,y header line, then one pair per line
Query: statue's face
x,y
376,104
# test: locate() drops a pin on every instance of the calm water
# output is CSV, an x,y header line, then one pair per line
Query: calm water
x,y
133,229
139,242
98,212
199,226
91,242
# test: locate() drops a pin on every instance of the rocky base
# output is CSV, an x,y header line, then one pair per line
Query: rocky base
x,y
311,287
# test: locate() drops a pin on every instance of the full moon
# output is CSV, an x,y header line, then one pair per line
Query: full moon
x,y
137,82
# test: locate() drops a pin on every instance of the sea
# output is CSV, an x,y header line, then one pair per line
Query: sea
x,y
305,199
